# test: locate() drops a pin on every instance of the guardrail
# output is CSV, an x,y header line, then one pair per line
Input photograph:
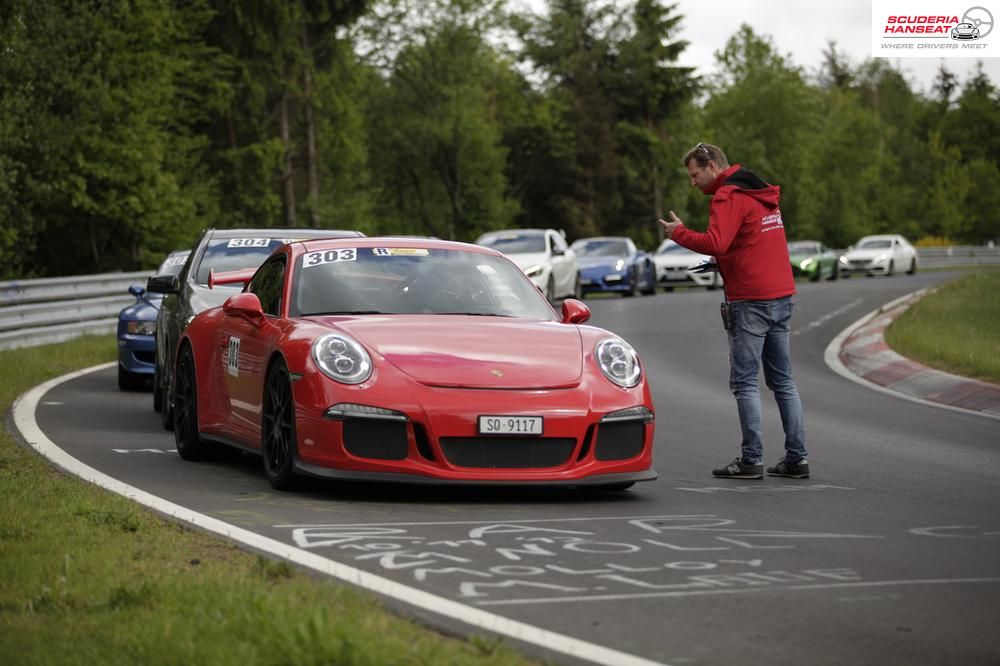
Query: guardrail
x,y
969,255
48,310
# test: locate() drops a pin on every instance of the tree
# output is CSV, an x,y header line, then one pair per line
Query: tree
x,y
435,129
103,159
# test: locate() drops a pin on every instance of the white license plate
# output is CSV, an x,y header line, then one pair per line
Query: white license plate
x,y
510,425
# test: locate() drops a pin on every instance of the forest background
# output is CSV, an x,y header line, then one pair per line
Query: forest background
x,y
126,127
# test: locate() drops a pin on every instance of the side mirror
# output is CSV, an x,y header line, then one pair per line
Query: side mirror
x,y
136,290
574,312
245,305
162,284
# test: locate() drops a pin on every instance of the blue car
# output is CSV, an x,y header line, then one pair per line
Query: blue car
x,y
137,326
614,264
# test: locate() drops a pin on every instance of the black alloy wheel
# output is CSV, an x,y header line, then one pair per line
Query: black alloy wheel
x,y
278,445
185,410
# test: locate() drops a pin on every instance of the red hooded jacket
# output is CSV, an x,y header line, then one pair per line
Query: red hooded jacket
x,y
746,236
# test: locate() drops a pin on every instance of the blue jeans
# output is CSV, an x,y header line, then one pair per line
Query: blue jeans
x,y
760,335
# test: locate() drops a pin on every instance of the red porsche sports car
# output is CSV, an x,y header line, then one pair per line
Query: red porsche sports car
x,y
400,359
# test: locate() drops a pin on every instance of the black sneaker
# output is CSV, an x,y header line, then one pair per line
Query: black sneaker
x,y
795,470
739,470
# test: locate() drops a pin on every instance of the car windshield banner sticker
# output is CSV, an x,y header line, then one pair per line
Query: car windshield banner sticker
x,y
400,252
329,257
249,242
233,358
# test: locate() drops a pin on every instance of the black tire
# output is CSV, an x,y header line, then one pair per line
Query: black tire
x,y
157,395
633,285
892,268
189,444
913,267
816,276
550,290
578,288
167,409
277,432
835,273
128,381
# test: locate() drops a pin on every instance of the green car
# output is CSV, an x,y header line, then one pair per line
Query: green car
x,y
814,260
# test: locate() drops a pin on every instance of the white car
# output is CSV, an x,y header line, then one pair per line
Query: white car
x,y
673,267
544,257
879,255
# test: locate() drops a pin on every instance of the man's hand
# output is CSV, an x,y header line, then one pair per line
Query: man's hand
x,y
668,227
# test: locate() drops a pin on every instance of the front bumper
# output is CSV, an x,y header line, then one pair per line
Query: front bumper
x,y
137,354
438,441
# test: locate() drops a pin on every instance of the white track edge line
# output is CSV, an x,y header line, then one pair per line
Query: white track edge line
x,y
832,358
24,420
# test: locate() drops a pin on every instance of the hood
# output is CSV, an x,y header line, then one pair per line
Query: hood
x,y
529,259
141,310
738,179
606,261
865,253
203,298
679,260
472,352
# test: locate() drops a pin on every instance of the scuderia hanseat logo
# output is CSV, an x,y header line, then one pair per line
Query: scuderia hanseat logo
x,y
930,28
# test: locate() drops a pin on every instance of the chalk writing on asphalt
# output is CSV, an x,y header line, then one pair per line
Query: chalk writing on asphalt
x,y
550,559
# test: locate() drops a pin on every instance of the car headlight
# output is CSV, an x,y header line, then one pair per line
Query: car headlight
x,y
619,265
618,361
880,259
533,271
843,260
341,358
806,263
141,327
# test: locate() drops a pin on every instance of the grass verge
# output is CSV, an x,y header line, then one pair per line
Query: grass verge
x,y
89,577
955,328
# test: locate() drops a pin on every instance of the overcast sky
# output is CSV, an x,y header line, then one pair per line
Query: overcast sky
x,y
799,29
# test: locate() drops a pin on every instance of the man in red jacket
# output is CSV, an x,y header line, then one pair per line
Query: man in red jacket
x,y
747,238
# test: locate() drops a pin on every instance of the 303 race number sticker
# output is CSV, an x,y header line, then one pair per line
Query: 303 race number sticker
x,y
329,257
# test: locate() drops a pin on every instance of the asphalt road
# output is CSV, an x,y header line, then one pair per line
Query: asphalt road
x,y
889,554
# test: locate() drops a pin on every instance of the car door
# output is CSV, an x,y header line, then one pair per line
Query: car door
x,y
245,354
563,264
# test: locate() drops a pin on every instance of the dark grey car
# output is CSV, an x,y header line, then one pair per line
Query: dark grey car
x,y
187,294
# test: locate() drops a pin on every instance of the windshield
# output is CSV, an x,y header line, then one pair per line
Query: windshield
x,y
600,248
875,244
232,254
802,247
173,264
673,248
413,281
514,243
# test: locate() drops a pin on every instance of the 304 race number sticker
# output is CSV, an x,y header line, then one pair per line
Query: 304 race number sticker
x,y
249,242
329,257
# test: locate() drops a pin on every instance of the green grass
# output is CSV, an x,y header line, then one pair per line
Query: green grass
x,y
88,577
955,328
